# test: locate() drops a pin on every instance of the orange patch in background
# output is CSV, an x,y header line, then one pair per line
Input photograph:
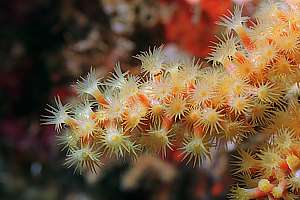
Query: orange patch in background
x,y
193,28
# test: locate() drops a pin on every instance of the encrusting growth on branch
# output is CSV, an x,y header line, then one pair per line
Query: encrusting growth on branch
x,y
252,88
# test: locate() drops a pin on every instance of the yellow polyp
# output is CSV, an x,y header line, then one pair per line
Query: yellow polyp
x,y
293,162
239,105
218,101
132,121
87,126
194,116
246,161
203,93
177,88
116,139
176,107
258,112
288,42
283,66
270,53
161,136
263,93
71,122
100,115
277,192
238,89
158,139
134,116
239,193
198,148
264,185
212,117
84,155
157,109
211,120
245,69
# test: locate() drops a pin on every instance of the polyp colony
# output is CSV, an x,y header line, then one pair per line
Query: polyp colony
x,y
179,104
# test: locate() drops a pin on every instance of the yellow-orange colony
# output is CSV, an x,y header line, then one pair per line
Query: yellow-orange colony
x,y
251,90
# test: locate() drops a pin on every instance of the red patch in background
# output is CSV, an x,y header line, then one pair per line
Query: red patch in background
x,y
194,32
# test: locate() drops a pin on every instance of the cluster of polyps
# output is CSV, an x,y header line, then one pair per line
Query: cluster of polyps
x,y
178,104
273,172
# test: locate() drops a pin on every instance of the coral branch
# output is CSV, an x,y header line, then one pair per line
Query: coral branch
x,y
252,89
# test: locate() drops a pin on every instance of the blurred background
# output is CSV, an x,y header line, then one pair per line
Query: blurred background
x,y
45,45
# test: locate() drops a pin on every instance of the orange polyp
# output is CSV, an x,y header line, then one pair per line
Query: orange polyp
x,y
144,100
294,27
246,70
109,123
100,98
85,139
177,155
284,166
245,38
199,131
257,194
194,117
190,88
295,150
270,41
106,123
93,116
167,122
240,57
157,77
282,16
